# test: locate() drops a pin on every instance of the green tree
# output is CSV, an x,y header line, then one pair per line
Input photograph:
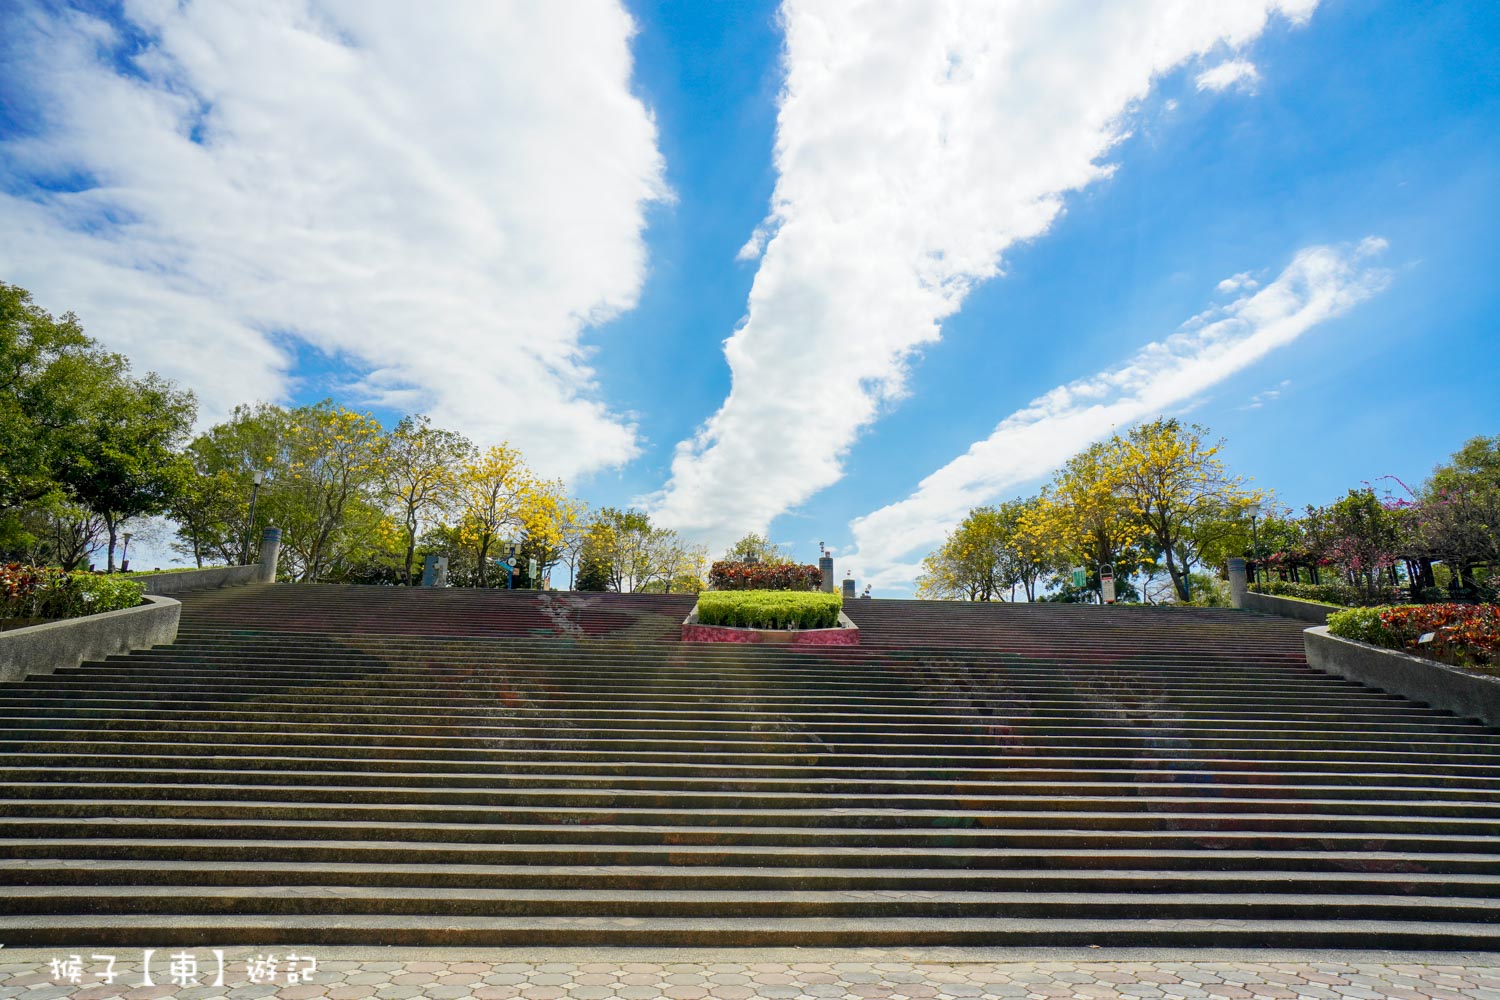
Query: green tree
x,y
421,469
122,459
759,548
48,370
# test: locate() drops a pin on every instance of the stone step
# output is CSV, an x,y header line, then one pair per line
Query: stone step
x,y
1402,715
1048,770
645,877
82,743
515,802
152,931
1357,860
607,903
37,781
890,729
879,826
611,733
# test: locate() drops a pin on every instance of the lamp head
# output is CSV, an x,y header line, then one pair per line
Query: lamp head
x,y
1253,510
258,477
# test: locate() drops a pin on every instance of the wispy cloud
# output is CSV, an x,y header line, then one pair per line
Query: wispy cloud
x,y
1265,396
1239,74
438,198
917,141
1319,284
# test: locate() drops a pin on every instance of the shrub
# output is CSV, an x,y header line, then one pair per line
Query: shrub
x,y
1341,594
760,576
1361,625
44,592
1462,634
768,609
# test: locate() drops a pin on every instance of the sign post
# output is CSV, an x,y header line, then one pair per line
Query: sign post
x,y
1107,583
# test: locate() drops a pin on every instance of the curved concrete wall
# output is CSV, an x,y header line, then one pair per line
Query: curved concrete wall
x,y
41,649
1462,692
1290,607
199,579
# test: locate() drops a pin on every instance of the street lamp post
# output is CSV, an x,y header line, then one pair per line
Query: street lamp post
x,y
1254,511
255,480
125,555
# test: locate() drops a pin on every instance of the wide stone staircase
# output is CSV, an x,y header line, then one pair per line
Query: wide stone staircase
x,y
364,765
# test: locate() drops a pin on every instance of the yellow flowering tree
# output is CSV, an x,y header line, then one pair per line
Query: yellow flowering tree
x,y
421,471
1175,487
495,495
324,493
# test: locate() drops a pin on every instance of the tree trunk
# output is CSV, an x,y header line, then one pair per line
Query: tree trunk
x,y
109,522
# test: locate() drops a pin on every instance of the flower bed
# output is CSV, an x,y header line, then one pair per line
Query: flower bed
x,y
762,576
1464,635
42,593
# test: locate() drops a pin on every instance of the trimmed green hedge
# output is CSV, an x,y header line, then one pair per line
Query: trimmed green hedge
x,y
769,608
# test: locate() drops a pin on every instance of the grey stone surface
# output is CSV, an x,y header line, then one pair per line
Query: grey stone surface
x,y
1289,607
1237,587
41,649
270,554
1471,695
199,579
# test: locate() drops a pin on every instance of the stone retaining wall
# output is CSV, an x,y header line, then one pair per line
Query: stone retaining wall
x,y
1462,692
41,649
1290,607
200,579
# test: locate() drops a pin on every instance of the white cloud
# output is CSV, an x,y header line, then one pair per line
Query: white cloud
x,y
1237,282
1265,396
1239,74
917,141
438,199
1320,283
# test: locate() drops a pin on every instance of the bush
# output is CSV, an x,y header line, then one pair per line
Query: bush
x,y
768,609
1465,635
1361,625
761,576
1340,594
44,592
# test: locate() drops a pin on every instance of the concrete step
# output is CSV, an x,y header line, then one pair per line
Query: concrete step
x,y
669,903
153,931
1248,857
709,877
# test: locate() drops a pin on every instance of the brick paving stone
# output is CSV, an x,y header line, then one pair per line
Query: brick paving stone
x,y
451,978
543,992
684,992
590,992
549,979
501,992
639,992
594,978
440,992
732,992
640,979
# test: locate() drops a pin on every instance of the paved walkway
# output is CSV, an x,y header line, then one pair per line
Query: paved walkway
x,y
358,974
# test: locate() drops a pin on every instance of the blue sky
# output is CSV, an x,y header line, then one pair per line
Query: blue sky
x,y
536,221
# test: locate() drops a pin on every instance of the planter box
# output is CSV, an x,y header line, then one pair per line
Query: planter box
x,y
42,649
847,633
1290,607
1462,692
